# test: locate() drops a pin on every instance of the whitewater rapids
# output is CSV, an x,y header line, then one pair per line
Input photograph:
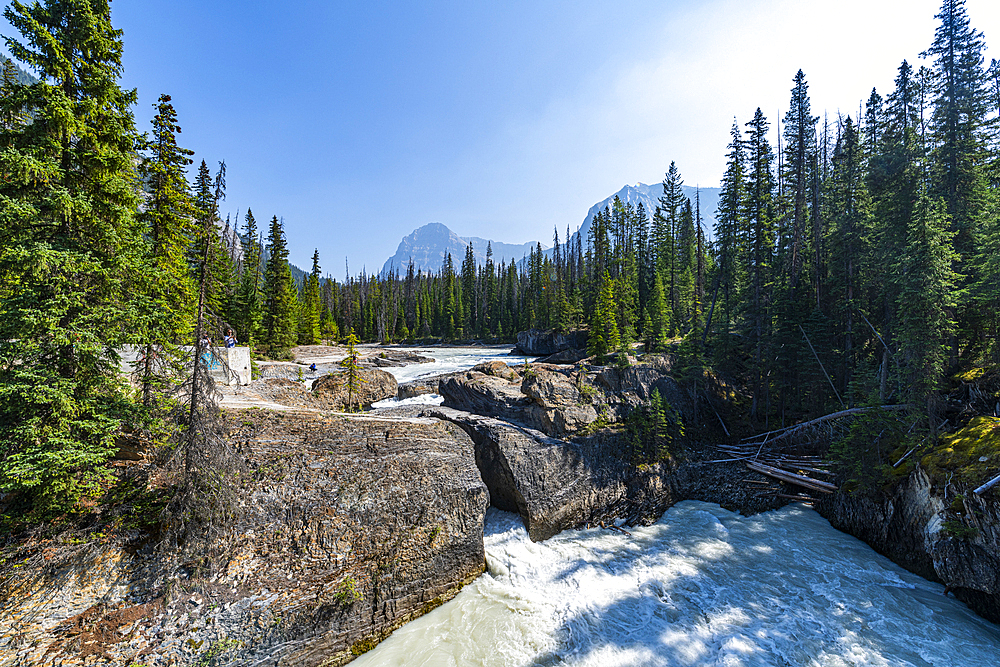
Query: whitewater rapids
x,y
702,586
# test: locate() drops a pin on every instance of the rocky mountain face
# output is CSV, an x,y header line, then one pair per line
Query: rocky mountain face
x,y
428,245
648,196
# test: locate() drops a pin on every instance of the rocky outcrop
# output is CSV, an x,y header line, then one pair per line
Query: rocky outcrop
x,y
565,357
373,385
626,388
353,526
559,405
956,543
483,394
538,342
555,484
558,400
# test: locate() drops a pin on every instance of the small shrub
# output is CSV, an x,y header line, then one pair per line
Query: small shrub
x,y
958,529
347,592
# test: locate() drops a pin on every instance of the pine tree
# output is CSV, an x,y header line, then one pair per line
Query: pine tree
x,y
604,337
71,252
279,325
168,218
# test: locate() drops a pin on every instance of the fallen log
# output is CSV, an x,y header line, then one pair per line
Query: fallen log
x,y
987,486
804,499
903,457
791,430
791,477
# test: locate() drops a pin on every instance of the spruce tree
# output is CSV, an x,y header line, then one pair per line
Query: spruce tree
x,y
800,142
760,233
279,325
310,308
729,239
248,312
926,296
959,122
604,337
168,217
71,252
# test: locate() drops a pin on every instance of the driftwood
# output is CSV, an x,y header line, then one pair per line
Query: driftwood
x,y
792,430
804,499
987,486
791,478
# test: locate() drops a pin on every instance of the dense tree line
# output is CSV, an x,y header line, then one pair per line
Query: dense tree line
x,y
856,263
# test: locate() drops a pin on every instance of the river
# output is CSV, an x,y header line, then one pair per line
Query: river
x,y
702,586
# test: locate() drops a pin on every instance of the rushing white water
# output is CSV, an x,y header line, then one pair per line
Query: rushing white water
x,y
702,586
446,360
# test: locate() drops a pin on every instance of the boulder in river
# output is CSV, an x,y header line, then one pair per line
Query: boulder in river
x,y
374,385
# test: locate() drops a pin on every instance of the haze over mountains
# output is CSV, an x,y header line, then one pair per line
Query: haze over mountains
x,y
427,245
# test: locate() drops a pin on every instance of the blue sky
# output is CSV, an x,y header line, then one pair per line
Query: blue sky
x,y
358,122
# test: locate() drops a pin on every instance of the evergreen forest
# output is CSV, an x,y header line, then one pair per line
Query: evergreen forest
x,y
855,262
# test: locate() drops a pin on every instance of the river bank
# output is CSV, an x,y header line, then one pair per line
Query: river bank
x,y
360,523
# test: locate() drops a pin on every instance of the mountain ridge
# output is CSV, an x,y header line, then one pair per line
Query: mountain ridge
x,y
427,245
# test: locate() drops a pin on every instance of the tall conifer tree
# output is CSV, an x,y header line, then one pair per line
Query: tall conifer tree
x,y
71,250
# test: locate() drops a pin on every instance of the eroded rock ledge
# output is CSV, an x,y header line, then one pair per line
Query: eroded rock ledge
x,y
354,526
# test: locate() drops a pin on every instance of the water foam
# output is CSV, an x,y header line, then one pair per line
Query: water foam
x,y
702,586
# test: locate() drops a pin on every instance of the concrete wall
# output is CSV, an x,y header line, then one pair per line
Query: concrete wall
x,y
227,365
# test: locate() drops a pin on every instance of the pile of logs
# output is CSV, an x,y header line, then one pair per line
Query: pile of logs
x,y
784,467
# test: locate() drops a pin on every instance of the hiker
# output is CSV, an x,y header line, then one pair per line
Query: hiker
x,y
312,367
230,338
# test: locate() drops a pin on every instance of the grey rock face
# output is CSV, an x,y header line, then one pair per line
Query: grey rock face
x,y
555,484
353,526
536,342
374,385
483,394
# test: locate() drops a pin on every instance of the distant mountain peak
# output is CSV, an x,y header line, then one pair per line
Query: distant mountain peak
x,y
427,246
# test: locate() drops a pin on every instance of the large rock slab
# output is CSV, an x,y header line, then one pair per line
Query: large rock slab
x,y
353,525
539,342
373,385
555,484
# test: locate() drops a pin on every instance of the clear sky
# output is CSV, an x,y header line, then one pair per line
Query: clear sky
x,y
359,121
